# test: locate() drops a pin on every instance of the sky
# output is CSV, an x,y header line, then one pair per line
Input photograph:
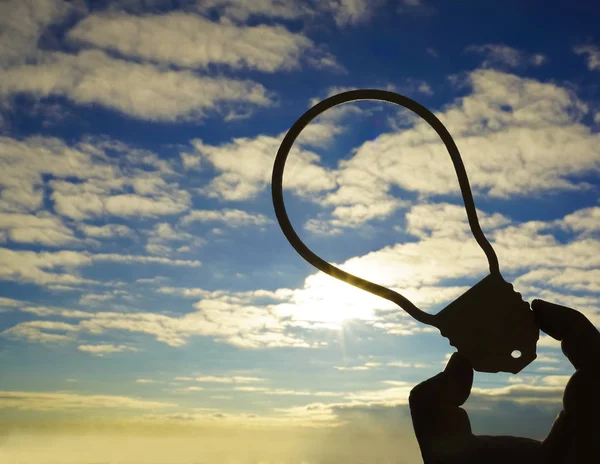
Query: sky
x,y
151,308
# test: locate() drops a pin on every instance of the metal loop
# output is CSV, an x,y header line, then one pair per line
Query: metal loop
x,y
308,255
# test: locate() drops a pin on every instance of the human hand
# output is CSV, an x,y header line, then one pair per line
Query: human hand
x,y
443,429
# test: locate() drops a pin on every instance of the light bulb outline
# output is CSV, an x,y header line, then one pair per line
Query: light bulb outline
x,y
324,266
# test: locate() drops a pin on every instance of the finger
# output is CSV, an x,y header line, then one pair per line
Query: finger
x,y
580,338
441,425
559,442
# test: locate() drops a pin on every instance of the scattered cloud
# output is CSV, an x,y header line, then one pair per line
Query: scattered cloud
x,y
56,401
22,23
592,54
45,268
106,230
533,123
245,165
103,349
350,12
191,41
232,379
141,90
229,217
503,55
241,10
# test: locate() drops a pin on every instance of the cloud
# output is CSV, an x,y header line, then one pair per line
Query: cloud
x,y
447,220
232,379
512,133
423,271
45,268
136,205
241,10
584,221
103,349
29,266
351,368
286,392
42,228
84,180
592,54
56,401
229,217
88,200
349,12
565,278
245,176
21,25
10,303
230,319
42,331
503,55
25,161
164,233
144,259
106,230
139,90
189,40
145,381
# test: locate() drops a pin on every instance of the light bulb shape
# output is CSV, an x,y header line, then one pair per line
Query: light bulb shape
x,y
490,324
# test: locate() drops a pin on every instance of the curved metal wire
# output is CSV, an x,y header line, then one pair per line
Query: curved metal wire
x,y
312,258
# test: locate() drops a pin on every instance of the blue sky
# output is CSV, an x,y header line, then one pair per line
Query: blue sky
x,y
144,280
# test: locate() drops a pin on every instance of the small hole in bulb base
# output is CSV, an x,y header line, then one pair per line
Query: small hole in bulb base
x,y
516,354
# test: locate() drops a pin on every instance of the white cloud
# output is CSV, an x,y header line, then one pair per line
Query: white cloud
x,y
230,217
136,205
89,199
106,230
566,278
94,298
232,379
163,233
447,220
43,229
192,41
346,12
103,349
503,55
245,167
10,303
45,268
144,259
241,10
103,170
145,381
583,221
57,401
136,89
42,268
418,270
351,368
42,331
512,133
24,162
21,25
592,53
556,380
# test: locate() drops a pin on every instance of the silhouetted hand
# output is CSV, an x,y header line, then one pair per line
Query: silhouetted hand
x,y
443,429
